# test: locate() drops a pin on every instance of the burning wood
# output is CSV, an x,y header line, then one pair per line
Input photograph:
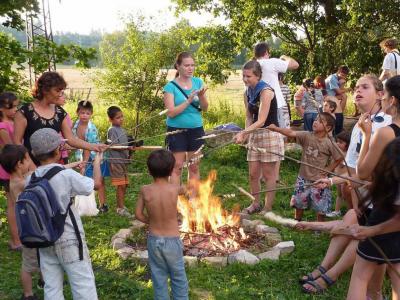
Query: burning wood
x,y
208,229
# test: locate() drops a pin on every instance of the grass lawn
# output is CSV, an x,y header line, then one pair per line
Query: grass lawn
x,y
119,279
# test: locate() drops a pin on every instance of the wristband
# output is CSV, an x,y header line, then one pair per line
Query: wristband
x,y
331,181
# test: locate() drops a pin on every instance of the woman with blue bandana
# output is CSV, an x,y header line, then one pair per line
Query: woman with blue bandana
x,y
261,111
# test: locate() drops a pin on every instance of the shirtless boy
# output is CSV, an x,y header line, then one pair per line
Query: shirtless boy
x,y
165,248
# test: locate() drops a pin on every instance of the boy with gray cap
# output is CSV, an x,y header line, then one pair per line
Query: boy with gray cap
x,y
69,253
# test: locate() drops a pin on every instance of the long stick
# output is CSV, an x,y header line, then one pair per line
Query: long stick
x,y
163,134
264,150
265,191
140,124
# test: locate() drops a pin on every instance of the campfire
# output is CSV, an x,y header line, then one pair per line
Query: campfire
x,y
210,233
207,229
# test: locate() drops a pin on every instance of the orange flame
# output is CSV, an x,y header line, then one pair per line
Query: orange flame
x,y
205,213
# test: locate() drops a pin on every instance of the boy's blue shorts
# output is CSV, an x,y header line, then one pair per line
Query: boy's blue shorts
x,y
105,170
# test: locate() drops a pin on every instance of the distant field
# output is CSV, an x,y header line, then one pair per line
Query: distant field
x,y
80,81
231,93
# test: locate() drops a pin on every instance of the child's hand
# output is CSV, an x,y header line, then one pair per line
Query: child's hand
x,y
322,183
365,124
76,164
272,127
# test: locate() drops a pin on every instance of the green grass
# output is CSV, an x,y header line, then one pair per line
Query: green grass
x,y
119,279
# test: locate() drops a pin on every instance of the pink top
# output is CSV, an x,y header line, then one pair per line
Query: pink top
x,y
64,153
9,127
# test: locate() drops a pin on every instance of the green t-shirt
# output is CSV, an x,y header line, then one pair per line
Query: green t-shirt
x,y
190,117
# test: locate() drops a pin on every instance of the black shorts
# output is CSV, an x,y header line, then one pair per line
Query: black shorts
x,y
5,183
389,243
186,141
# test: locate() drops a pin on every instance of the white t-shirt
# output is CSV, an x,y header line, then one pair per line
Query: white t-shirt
x,y
270,68
389,62
356,139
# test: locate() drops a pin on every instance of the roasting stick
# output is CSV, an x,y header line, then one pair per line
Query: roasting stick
x,y
245,193
140,124
120,147
264,150
270,215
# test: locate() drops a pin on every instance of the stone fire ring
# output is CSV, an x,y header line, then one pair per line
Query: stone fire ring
x,y
126,251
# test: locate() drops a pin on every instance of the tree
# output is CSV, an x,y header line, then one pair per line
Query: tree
x,y
11,11
136,65
14,56
321,34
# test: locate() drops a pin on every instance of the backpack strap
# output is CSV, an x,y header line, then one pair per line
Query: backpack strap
x,y
186,96
49,174
76,229
52,172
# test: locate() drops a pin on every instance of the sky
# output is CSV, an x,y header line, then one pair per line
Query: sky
x,y
83,16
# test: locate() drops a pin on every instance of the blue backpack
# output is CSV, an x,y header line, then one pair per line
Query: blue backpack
x,y
38,213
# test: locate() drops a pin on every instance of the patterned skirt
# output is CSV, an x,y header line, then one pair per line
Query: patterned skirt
x,y
268,140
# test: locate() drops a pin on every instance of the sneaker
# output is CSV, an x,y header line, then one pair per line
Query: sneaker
x,y
40,284
124,212
33,297
103,208
334,214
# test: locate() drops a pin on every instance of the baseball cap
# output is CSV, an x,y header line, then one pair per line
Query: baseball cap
x,y
45,140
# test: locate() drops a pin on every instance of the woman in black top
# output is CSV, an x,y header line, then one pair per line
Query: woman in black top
x,y
383,221
44,113
261,111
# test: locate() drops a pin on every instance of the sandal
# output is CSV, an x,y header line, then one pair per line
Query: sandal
x,y
318,288
253,208
310,277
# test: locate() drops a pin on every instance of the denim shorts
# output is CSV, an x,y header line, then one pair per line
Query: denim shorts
x,y
166,261
186,141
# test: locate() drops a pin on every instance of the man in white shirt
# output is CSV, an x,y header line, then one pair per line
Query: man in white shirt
x,y
391,62
270,68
